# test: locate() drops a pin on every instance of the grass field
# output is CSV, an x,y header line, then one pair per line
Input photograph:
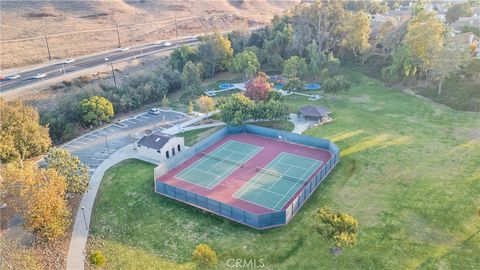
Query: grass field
x,y
409,173
193,136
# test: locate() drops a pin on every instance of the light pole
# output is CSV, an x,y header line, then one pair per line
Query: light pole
x,y
84,218
106,143
178,123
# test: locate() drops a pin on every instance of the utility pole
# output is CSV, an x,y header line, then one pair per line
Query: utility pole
x,y
118,37
114,77
48,49
176,27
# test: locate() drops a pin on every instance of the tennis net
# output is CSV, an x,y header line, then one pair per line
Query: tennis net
x,y
207,155
283,176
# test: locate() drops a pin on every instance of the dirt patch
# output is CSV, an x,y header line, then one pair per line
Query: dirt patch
x,y
75,28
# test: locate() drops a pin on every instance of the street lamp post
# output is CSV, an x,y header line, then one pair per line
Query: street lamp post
x,y
178,123
106,143
84,218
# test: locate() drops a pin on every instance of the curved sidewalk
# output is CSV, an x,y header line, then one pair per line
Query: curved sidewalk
x,y
76,250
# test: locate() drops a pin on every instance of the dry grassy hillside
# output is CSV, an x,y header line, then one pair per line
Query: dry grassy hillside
x,y
77,27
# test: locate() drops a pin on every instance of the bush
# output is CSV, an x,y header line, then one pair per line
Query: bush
x,y
338,228
336,84
97,258
204,256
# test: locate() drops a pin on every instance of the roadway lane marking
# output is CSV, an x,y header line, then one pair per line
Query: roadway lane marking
x,y
144,116
121,125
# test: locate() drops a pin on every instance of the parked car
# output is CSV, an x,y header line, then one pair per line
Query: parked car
x,y
40,75
154,111
124,49
69,60
166,44
12,77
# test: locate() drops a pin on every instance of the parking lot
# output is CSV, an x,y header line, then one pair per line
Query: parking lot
x,y
94,147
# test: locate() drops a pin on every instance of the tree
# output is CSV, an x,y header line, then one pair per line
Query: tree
x,y
358,32
447,61
458,10
258,87
418,6
96,110
70,167
191,78
276,110
39,195
190,107
294,84
424,38
206,104
336,84
339,228
216,53
238,40
236,109
275,95
181,55
294,67
316,60
165,102
247,63
204,256
21,135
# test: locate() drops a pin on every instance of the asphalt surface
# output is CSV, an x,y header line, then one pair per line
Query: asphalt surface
x,y
94,147
58,70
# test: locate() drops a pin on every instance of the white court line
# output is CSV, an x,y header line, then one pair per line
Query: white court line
x,y
223,147
247,186
296,184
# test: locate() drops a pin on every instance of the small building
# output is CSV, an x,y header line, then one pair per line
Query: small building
x,y
160,146
316,113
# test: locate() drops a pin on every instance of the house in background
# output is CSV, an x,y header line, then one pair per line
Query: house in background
x,y
160,146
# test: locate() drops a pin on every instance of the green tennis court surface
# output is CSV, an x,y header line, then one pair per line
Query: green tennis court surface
x,y
217,165
273,186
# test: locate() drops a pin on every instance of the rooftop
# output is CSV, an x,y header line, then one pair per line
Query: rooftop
x,y
313,111
155,140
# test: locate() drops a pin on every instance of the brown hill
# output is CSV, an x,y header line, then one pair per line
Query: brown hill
x,y
76,28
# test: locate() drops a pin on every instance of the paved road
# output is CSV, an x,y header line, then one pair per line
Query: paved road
x,y
57,70
94,147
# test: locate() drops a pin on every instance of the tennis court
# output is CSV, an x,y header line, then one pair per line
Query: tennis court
x,y
217,165
273,186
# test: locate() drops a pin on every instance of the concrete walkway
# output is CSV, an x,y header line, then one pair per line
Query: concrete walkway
x,y
76,251
181,127
300,124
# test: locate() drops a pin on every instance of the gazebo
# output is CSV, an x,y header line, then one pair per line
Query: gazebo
x,y
317,113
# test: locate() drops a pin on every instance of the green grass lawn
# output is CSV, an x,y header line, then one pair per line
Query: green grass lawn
x,y
457,93
409,173
193,136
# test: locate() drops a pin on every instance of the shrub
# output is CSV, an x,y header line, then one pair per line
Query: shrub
x,y
204,256
336,84
338,228
97,258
